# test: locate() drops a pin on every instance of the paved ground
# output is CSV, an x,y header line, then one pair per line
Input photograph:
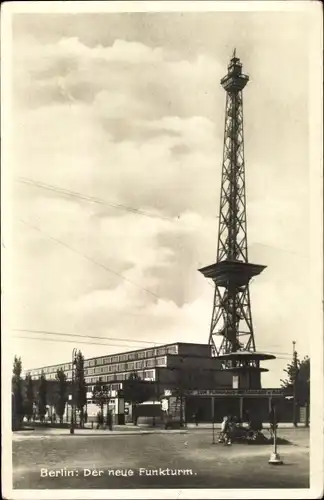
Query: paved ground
x,y
179,459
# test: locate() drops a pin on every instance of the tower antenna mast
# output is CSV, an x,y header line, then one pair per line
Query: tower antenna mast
x,y
231,331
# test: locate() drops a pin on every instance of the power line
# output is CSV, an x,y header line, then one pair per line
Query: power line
x,y
88,258
92,199
98,343
280,249
73,341
46,332
279,355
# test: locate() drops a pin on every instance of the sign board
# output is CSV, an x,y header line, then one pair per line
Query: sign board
x,y
237,392
235,382
167,392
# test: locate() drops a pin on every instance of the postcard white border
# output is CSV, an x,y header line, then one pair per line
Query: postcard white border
x,y
315,328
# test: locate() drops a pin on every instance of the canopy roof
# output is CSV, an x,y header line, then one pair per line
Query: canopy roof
x,y
246,356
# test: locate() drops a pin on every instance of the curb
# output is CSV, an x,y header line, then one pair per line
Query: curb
x,y
110,433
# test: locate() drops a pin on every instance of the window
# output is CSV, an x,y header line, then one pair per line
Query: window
x,y
161,361
99,361
172,349
91,362
149,374
161,351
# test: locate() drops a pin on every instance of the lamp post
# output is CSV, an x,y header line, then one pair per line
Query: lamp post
x,y
274,457
181,391
294,384
74,353
213,419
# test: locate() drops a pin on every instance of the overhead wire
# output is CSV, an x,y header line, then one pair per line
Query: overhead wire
x,y
27,337
78,195
66,334
60,242
92,199
99,343
119,339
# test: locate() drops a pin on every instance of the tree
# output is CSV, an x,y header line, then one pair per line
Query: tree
x,y
17,394
100,395
80,386
61,396
136,391
181,388
297,383
42,397
29,400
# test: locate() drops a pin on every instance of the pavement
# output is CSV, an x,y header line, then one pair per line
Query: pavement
x,y
131,429
157,459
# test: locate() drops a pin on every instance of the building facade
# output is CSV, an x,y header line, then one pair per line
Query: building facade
x,y
188,365
187,370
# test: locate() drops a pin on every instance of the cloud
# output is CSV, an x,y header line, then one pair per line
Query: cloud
x,y
142,127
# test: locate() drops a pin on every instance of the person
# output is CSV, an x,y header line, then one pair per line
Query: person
x,y
246,418
109,420
224,435
99,419
237,429
256,424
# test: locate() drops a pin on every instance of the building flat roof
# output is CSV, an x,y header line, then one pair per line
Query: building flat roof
x,y
123,352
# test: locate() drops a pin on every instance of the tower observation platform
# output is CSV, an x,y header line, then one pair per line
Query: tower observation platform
x,y
231,332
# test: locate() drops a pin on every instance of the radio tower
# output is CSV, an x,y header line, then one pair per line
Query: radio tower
x,y
231,332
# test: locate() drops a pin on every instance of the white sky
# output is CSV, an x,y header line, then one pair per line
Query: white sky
x,y
128,108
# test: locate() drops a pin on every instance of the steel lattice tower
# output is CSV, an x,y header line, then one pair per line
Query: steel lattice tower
x,y
231,329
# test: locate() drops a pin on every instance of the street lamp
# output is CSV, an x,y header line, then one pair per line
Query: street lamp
x,y
213,418
274,457
74,353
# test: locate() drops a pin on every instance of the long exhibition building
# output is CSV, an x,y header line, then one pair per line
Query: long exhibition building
x,y
186,368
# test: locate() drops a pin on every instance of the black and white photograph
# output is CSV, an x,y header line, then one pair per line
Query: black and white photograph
x,y
162,250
